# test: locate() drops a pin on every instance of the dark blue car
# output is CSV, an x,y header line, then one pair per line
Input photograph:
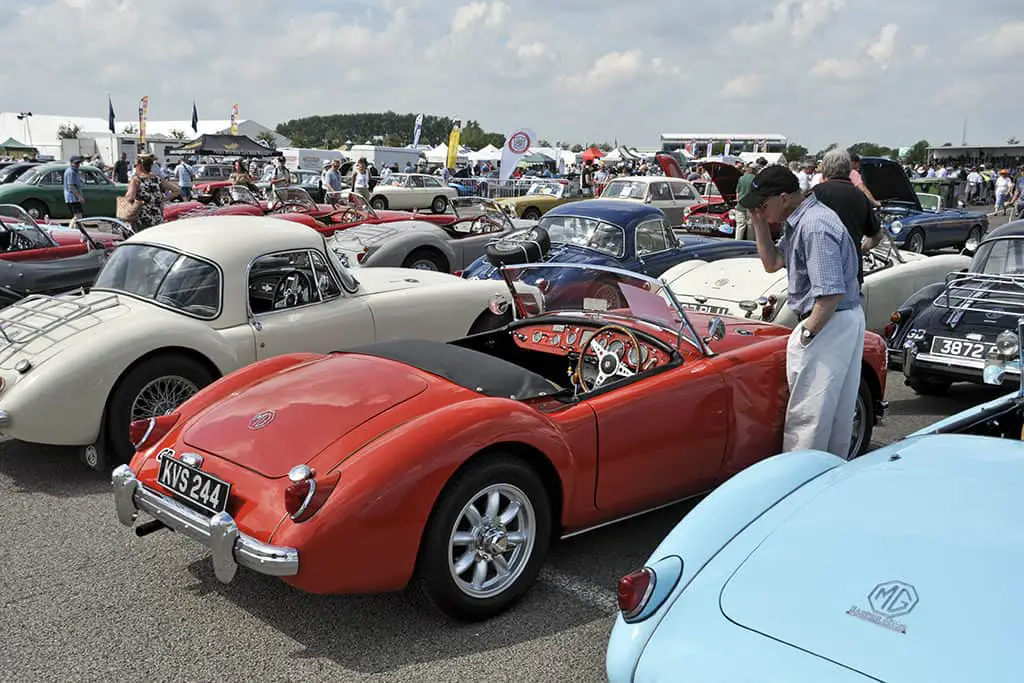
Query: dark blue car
x,y
608,232
919,221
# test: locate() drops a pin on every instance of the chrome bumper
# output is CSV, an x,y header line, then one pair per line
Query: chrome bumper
x,y
218,533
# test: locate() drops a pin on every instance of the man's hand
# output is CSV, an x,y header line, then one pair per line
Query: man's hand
x,y
771,258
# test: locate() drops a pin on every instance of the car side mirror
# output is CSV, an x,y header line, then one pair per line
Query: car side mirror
x,y
748,306
716,328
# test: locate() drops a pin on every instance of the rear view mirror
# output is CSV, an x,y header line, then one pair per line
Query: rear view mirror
x,y
716,328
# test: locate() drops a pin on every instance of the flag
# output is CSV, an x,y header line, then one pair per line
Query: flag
x,y
517,144
416,130
234,120
195,118
143,112
728,146
110,115
453,144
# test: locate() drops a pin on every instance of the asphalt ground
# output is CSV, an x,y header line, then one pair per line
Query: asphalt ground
x,y
83,599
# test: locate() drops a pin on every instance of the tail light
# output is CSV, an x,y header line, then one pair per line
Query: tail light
x,y
361,256
145,433
306,494
895,318
635,591
457,273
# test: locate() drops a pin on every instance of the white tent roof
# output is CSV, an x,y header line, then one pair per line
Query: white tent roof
x,y
439,154
488,153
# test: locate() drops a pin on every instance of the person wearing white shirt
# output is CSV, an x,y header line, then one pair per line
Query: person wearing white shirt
x,y
974,181
1004,184
385,175
804,177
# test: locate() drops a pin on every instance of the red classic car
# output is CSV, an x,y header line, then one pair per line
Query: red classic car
x,y
716,215
454,466
23,239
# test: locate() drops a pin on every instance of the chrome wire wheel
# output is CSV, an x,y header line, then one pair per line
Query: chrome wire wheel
x,y
857,437
161,396
424,264
492,541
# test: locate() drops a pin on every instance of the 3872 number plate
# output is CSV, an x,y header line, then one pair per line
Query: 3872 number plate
x,y
193,485
960,348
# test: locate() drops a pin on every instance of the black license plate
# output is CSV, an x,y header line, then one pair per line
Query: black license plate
x,y
960,348
707,308
193,485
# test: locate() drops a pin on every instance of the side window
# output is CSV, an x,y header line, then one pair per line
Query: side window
x,y
282,281
90,177
683,191
415,181
326,283
650,237
660,191
53,178
670,237
431,182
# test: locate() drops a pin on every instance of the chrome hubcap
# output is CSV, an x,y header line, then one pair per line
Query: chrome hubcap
x,y
492,541
425,265
161,396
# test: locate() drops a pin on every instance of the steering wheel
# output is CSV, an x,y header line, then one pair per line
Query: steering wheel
x,y
476,226
349,215
609,363
289,207
293,289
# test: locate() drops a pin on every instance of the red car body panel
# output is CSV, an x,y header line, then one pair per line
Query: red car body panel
x,y
392,436
724,176
69,243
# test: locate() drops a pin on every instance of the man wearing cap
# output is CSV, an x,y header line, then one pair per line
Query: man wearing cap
x,y
823,356
73,196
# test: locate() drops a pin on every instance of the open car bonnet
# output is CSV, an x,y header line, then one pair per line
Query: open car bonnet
x,y
887,181
312,405
897,567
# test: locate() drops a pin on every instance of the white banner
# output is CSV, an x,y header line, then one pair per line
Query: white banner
x,y
518,144
416,130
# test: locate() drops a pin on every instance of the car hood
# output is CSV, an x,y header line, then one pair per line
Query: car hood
x,y
377,280
725,177
311,409
370,235
906,557
888,182
728,280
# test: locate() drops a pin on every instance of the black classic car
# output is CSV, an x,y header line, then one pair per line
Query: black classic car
x,y
919,221
947,331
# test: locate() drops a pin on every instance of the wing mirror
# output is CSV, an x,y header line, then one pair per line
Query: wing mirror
x,y
716,328
748,305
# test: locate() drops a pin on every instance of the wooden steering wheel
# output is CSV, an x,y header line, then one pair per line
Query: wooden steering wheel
x,y
609,363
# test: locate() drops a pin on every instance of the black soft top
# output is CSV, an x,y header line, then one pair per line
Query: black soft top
x,y
468,368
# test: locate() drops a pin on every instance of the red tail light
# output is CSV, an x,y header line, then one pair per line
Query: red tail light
x,y
361,256
145,433
303,498
457,273
895,317
634,591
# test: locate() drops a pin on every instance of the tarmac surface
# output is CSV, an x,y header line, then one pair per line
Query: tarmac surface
x,y
81,598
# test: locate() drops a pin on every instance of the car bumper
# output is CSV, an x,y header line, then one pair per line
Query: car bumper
x,y
955,370
219,533
5,424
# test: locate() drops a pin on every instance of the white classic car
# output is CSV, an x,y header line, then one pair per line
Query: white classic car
x,y
178,306
741,287
407,191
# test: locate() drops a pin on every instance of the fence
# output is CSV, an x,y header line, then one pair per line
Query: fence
x,y
498,189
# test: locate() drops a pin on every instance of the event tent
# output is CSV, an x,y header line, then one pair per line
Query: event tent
x,y
10,145
488,153
591,153
224,145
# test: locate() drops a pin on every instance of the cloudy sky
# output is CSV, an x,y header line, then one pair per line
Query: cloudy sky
x,y
818,71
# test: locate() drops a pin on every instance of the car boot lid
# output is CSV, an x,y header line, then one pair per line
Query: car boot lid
x,y
903,564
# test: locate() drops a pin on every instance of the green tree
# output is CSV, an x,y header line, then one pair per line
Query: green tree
x,y
577,148
918,153
1012,141
313,131
177,134
68,131
543,143
267,139
870,149
795,152
825,151
130,129
605,147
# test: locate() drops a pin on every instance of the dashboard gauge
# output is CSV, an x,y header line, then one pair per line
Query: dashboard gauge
x,y
634,360
616,347
554,340
558,328
537,336
571,339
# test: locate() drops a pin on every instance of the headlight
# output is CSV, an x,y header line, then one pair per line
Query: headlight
x,y
895,226
732,214
1008,344
686,212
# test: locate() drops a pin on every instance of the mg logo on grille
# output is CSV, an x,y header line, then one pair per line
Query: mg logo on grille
x,y
893,599
261,420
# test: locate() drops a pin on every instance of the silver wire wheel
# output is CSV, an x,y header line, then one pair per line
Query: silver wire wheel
x,y
161,396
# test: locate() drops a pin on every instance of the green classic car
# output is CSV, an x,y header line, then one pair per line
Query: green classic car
x,y
542,196
40,191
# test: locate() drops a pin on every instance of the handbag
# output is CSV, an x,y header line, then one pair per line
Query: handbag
x,y
127,209
170,187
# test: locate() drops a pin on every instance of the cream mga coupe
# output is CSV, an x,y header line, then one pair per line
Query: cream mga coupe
x,y
180,305
741,287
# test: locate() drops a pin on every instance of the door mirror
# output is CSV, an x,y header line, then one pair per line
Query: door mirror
x,y
716,328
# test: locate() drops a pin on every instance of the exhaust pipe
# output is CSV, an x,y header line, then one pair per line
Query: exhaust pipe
x,y
149,527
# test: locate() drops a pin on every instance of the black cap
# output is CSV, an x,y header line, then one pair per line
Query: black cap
x,y
772,181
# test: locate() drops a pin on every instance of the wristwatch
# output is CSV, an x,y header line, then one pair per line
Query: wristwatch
x,y
806,335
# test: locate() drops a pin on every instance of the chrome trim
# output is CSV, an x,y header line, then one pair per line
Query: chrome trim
x,y
191,459
669,504
5,419
972,363
633,613
308,499
149,430
219,533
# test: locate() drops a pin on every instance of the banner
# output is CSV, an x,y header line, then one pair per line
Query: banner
x,y
416,130
143,113
195,118
453,144
110,115
518,144
728,146
234,120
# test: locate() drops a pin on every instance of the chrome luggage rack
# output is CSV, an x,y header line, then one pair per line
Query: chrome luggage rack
x,y
40,314
981,293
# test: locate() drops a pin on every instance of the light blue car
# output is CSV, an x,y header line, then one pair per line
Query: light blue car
x,y
905,564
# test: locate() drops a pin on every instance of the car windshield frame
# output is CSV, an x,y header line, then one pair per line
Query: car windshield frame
x,y
278,196
487,207
984,254
248,196
557,187
546,221
657,288
632,184
159,273
25,224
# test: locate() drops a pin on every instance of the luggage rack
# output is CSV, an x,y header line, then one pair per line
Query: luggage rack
x,y
40,314
982,293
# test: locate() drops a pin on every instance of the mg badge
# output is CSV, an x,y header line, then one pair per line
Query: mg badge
x,y
887,601
721,283
261,420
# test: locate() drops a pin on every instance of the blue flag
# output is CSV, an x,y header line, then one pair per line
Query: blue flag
x,y
195,118
110,114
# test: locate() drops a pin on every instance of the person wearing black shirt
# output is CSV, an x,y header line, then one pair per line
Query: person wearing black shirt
x,y
849,202
121,169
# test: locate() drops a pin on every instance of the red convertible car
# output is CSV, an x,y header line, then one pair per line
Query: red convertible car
x,y
23,239
716,215
454,466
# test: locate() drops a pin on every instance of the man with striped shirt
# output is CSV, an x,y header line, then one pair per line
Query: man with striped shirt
x,y
823,357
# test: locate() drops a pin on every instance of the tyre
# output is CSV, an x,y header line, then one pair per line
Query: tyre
x,y
524,247
926,386
34,208
426,259
973,238
915,242
379,203
154,387
863,421
531,214
222,197
609,291
439,205
485,540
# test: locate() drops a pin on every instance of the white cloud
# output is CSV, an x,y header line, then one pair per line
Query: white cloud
x,y
838,69
745,87
486,13
919,53
531,52
1005,41
609,69
794,19
882,49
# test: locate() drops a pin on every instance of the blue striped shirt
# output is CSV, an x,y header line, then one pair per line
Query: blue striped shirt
x,y
821,258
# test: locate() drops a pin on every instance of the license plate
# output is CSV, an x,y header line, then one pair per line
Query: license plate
x,y
706,308
960,348
193,485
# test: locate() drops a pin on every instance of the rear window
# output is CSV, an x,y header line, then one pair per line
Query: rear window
x,y
164,276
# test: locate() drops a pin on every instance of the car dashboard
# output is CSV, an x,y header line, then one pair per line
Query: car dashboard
x,y
570,340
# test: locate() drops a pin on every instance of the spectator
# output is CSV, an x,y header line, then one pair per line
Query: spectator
x,y
332,183
858,182
743,215
146,187
185,174
850,204
1004,184
361,179
121,169
73,195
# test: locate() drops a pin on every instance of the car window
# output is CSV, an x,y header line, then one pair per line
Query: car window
x,y
625,189
1000,257
324,276
683,191
586,232
91,177
431,182
650,237
415,181
53,178
661,192
283,281
164,276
